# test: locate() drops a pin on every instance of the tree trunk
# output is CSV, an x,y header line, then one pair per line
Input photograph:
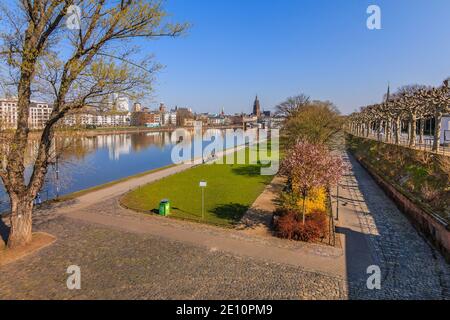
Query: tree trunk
x,y
413,128
409,131
388,130
304,209
380,124
398,130
437,131
367,129
21,222
422,130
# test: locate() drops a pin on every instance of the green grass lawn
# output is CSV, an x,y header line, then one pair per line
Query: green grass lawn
x,y
230,192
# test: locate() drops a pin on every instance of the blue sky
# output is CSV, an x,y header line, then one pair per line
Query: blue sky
x,y
239,48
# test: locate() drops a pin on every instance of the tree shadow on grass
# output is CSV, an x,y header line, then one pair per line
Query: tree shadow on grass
x,y
250,170
256,218
231,211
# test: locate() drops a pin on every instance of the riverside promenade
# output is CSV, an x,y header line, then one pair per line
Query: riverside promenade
x,y
128,255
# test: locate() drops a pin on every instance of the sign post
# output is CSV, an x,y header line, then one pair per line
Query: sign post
x,y
203,186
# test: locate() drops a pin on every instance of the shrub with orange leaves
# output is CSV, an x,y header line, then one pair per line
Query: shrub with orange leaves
x,y
288,224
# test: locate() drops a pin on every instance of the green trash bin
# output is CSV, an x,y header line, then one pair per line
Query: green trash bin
x,y
164,207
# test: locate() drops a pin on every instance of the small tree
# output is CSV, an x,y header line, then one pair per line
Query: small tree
x,y
317,122
310,166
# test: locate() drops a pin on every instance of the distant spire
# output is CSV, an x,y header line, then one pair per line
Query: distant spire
x,y
256,107
388,92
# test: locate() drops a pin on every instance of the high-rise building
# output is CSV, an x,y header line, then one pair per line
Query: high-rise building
x,y
256,108
123,104
120,103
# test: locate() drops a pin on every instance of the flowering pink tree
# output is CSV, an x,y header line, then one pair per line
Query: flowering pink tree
x,y
310,166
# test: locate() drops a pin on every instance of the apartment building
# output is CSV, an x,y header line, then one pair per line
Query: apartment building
x,y
97,119
39,114
142,118
169,118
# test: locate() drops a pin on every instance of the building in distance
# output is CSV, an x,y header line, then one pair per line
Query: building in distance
x,y
39,114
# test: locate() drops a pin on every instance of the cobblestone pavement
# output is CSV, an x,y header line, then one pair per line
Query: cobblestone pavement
x,y
112,208
120,265
411,268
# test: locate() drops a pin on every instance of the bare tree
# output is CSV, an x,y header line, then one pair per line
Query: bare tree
x,y
78,67
411,106
292,106
438,102
411,102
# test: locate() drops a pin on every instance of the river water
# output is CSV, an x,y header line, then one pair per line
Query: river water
x,y
88,161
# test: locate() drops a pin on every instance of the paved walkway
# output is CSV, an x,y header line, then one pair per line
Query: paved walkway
x,y
127,265
258,218
119,189
375,232
308,256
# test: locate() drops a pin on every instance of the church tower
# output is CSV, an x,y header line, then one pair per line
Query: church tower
x,y
388,93
256,108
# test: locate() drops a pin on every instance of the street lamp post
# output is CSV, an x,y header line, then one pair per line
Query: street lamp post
x,y
337,202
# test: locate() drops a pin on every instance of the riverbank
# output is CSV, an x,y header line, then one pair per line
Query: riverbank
x,y
124,130
79,193
88,158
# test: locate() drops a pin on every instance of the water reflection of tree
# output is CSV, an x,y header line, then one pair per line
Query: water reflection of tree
x,y
68,151
141,141
76,147
71,150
